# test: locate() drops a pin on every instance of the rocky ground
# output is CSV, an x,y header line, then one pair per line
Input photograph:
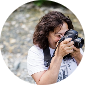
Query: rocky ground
x,y
16,35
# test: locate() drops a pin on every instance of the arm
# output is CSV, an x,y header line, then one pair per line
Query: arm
x,y
78,58
50,76
77,55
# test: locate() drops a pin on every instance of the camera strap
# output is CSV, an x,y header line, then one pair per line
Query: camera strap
x,y
47,56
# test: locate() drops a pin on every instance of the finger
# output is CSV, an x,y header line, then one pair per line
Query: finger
x,y
67,40
70,43
70,47
76,49
69,51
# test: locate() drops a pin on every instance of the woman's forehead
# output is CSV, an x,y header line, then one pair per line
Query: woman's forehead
x,y
61,28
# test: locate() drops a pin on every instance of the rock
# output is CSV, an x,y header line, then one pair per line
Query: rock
x,y
20,18
13,22
75,20
80,35
23,65
6,43
6,61
28,39
16,25
16,65
18,74
29,6
7,24
27,15
43,8
1,46
24,27
31,31
12,40
11,48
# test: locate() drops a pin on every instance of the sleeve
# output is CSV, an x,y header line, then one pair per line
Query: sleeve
x,y
81,51
35,62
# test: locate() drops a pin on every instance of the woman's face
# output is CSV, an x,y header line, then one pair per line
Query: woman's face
x,y
55,36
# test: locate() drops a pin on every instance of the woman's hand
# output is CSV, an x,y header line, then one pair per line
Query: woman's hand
x,y
65,47
77,55
76,52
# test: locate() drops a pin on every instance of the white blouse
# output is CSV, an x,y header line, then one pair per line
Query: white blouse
x,y
35,63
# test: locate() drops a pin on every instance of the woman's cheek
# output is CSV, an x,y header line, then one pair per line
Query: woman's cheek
x,y
57,39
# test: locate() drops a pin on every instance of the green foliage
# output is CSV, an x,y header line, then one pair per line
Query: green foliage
x,y
43,2
46,3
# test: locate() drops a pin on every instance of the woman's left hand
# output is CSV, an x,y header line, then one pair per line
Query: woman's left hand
x,y
76,52
77,55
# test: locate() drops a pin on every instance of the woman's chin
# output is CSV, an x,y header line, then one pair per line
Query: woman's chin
x,y
53,47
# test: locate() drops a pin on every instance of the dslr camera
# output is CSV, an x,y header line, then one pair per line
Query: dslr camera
x,y
78,42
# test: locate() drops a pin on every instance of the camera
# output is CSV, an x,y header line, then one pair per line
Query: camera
x,y
78,42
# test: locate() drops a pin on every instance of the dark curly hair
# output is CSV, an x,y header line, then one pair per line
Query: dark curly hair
x,y
48,23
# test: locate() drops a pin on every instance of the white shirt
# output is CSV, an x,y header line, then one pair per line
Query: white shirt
x,y
35,63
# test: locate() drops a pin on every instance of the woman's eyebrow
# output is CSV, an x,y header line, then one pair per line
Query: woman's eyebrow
x,y
59,33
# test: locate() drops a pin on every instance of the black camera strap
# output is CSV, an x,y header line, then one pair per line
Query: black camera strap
x,y
47,57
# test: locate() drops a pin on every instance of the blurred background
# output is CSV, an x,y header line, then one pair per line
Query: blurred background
x,y
17,32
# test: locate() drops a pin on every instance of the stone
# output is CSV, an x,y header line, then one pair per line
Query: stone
x,y
12,40
18,74
6,43
13,22
11,48
28,39
7,24
1,46
23,65
75,20
27,15
29,6
23,26
16,25
16,65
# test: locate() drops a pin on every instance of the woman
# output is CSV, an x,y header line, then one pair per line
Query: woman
x,y
48,32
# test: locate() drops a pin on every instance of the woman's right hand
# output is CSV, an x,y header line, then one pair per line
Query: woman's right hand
x,y
65,47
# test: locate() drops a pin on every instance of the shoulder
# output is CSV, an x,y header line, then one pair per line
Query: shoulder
x,y
35,52
35,60
35,48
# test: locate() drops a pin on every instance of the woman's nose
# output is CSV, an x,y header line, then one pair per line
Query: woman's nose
x,y
61,36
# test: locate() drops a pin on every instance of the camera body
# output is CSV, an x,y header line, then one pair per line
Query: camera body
x,y
78,42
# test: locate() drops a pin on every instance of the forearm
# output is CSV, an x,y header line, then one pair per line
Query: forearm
x,y
78,58
51,75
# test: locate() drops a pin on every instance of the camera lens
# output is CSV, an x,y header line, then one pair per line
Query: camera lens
x,y
82,42
78,43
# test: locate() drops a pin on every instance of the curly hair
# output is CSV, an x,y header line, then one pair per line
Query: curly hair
x,y
48,23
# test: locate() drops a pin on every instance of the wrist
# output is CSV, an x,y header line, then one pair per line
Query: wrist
x,y
59,56
58,59
76,55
